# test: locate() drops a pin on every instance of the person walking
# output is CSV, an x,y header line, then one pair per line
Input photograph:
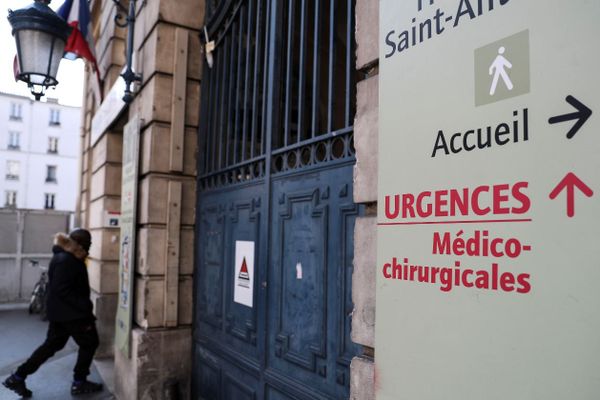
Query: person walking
x,y
70,314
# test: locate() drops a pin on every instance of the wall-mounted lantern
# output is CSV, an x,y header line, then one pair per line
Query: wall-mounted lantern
x,y
40,35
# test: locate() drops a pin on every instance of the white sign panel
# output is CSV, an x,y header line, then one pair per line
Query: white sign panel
x,y
110,109
488,212
127,222
243,280
112,219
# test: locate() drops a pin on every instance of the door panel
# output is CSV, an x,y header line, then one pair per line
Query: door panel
x,y
225,218
243,225
218,379
234,389
209,303
274,393
206,382
298,278
312,220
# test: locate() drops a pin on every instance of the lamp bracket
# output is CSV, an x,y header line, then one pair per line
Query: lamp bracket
x,y
125,18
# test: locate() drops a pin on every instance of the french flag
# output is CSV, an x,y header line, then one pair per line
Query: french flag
x,y
81,42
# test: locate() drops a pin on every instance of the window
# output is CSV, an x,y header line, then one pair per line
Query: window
x,y
51,173
49,201
54,117
16,111
52,145
10,199
14,140
12,170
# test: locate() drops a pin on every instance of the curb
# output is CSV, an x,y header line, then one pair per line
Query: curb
x,y
14,306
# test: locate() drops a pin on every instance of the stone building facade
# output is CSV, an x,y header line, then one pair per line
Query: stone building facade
x,y
169,55
366,132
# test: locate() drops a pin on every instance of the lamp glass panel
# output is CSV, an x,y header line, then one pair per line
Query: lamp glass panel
x,y
35,53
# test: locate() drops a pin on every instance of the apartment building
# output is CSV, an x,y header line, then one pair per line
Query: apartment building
x,y
39,148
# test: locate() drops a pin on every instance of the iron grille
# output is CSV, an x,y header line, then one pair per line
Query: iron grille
x,y
313,79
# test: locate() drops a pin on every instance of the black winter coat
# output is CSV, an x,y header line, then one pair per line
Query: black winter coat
x,y
69,287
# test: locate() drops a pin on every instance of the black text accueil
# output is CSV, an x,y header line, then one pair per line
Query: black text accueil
x,y
482,138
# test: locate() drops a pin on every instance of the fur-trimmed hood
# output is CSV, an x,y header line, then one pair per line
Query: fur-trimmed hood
x,y
70,246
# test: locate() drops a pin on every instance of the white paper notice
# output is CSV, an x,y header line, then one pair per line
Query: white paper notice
x,y
243,279
298,271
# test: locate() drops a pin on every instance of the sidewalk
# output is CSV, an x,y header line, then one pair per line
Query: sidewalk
x,y
20,334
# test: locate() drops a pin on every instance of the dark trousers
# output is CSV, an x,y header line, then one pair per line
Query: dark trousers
x,y
85,335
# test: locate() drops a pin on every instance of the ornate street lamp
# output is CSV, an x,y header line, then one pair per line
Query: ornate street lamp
x,y
40,35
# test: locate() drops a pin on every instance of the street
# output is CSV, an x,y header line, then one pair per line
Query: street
x,y
20,335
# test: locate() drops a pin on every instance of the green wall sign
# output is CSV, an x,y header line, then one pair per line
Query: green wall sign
x,y
131,139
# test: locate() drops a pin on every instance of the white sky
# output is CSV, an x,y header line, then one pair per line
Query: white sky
x,y
69,90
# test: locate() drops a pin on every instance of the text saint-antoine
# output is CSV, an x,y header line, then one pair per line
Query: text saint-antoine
x,y
439,22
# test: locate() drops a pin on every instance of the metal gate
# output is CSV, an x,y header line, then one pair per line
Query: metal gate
x,y
275,169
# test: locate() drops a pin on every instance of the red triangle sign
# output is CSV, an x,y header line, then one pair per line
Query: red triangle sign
x,y
244,271
244,267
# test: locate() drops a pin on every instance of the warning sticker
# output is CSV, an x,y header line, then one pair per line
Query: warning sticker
x,y
243,291
244,276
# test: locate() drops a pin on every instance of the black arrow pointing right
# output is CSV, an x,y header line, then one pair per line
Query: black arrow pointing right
x,y
582,114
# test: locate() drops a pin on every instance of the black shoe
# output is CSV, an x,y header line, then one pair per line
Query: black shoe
x,y
17,386
85,387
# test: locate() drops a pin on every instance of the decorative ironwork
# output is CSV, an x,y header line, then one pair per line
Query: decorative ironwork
x,y
124,19
234,175
328,150
217,12
121,18
313,89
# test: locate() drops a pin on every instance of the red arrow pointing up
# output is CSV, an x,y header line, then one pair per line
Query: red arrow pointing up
x,y
570,181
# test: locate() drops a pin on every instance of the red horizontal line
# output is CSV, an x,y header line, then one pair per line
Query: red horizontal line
x,y
481,221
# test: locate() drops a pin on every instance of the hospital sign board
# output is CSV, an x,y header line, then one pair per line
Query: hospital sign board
x,y
489,174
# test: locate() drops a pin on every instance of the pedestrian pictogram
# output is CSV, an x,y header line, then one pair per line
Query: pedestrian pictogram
x,y
570,182
502,69
581,115
498,69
